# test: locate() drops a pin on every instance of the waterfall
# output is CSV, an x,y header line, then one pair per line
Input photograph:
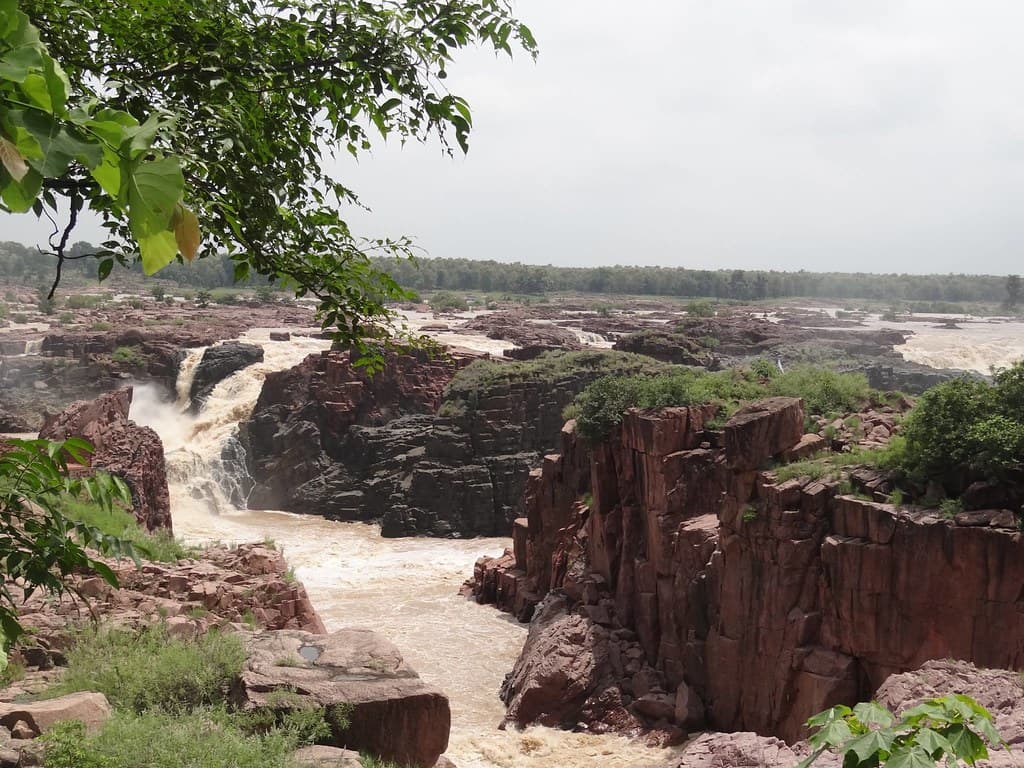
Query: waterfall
x,y
206,462
33,346
589,339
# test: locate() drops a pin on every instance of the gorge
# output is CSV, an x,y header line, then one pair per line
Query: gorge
x,y
406,588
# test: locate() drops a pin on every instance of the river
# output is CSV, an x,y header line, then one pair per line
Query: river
x,y
406,589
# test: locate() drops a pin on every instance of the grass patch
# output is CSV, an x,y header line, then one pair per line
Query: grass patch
x,y
830,465
600,407
160,545
170,707
150,670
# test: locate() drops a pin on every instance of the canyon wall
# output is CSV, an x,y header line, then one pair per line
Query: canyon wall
x,y
754,604
325,438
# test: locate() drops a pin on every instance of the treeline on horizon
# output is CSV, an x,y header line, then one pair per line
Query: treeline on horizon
x,y
26,265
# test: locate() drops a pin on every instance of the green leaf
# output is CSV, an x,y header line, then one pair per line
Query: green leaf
x,y
871,743
933,742
967,745
19,195
910,757
157,250
872,713
103,271
834,733
154,188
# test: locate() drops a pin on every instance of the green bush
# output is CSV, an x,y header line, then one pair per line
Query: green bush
x,y
482,378
83,301
127,356
150,670
600,407
210,737
448,302
945,730
824,392
700,308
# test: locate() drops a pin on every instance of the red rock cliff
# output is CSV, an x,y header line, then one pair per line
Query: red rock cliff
x,y
755,604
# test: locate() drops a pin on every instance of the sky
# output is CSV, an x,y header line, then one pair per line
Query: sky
x,y
830,135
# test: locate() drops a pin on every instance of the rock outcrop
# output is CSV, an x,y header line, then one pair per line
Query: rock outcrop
x,y
219,362
221,586
120,447
325,439
353,674
754,603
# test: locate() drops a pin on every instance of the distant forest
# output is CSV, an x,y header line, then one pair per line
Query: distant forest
x,y
26,265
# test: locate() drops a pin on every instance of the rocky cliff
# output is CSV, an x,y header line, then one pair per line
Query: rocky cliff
x,y
120,447
327,439
710,595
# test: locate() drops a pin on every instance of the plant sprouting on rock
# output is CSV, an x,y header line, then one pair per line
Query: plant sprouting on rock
x,y
951,729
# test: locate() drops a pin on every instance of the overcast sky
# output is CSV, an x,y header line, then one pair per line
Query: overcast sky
x,y
853,135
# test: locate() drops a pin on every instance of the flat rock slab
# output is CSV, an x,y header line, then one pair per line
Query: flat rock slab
x,y
319,756
394,715
38,717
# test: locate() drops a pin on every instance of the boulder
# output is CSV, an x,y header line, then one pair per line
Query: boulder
x,y
217,364
35,718
562,662
122,448
391,712
758,431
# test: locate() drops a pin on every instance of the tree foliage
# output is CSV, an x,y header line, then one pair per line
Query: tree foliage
x,y
40,546
946,730
59,139
965,430
255,98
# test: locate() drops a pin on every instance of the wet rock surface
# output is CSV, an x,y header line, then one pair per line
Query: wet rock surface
x,y
120,447
219,362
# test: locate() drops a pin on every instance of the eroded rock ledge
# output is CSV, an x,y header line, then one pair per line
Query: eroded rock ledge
x,y
708,595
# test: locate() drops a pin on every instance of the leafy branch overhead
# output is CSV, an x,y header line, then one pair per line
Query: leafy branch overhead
x,y
45,136
252,101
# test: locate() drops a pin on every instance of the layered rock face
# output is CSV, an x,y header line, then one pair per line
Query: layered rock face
x,y
121,448
754,603
326,439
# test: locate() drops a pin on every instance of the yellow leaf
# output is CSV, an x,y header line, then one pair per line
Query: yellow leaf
x,y
186,232
12,160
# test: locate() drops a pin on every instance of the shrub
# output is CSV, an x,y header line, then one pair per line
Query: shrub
x,y
150,670
700,308
448,302
945,730
127,356
824,392
83,301
158,292
100,326
203,298
227,298
210,737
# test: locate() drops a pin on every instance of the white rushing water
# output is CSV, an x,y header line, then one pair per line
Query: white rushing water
x,y
406,589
